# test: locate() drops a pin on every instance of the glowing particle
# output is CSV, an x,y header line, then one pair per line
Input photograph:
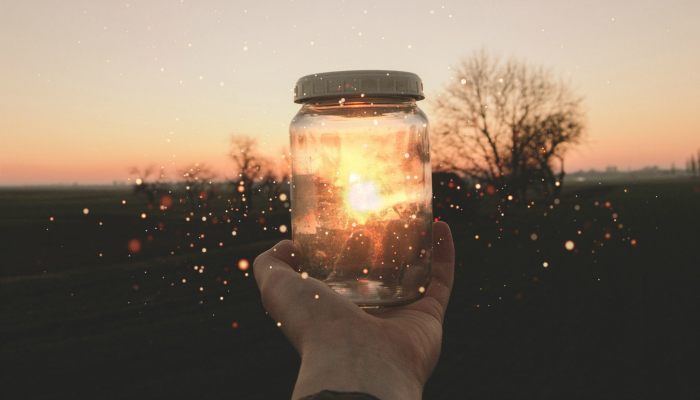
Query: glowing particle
x,y
406,155
316,297
123,201
409,46
365,271
569,245
304,275
283,197
204,218
139,181
184,281
634,242
477,186
245,48
279,324
134,246
234,325
221,84
85,211
533,236
233,233
375,122
204,249
577,207
143,216
283,228
201,289
464,81
421,289
243,264
51,219
476,237
221,298
510,197
545,264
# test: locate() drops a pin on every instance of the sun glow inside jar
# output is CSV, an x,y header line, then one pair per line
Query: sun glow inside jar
x,y
361,185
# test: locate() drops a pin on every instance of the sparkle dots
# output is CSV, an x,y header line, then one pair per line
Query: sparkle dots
x,y
86,211
569,245
421,289
243,264
304,275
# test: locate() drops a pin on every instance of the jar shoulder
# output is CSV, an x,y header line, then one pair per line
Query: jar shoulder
x,y
326,118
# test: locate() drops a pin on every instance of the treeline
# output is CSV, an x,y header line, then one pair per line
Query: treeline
x,y
692,165
256,179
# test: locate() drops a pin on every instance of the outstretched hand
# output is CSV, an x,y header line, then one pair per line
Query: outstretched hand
x,y
389,353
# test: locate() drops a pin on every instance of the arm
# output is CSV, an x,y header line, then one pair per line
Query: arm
x,y
388,353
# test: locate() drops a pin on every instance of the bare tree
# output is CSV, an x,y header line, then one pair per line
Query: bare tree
x,y
198,185
508,123
141,183
248,161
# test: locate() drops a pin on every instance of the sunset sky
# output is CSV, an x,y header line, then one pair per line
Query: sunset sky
x,y
89,89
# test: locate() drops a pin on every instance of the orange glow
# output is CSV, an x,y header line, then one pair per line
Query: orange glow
x,y
134,246
80,110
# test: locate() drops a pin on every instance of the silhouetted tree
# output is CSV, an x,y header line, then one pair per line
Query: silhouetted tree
x,y
506,123
141,183
248,161
198,185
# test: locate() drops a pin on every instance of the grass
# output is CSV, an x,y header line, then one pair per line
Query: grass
x,y
608,319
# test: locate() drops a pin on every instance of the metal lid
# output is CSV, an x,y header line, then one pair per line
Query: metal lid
x,y
358,84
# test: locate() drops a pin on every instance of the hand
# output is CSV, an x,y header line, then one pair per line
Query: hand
x,y
389,353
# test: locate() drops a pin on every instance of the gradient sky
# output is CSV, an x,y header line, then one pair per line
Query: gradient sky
x,y
91,88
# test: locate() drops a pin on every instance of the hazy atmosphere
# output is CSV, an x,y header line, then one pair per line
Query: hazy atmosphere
x,y
90,89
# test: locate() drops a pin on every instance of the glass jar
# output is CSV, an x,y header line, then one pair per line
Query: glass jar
x,y
361,185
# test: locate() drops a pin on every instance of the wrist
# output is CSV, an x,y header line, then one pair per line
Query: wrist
x,y
365,368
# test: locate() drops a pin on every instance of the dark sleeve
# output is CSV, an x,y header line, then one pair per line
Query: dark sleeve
x,y
331,395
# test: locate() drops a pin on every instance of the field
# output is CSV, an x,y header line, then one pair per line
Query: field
x,y
83,315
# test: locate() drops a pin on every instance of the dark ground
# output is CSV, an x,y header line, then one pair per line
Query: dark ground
x,y
610,319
